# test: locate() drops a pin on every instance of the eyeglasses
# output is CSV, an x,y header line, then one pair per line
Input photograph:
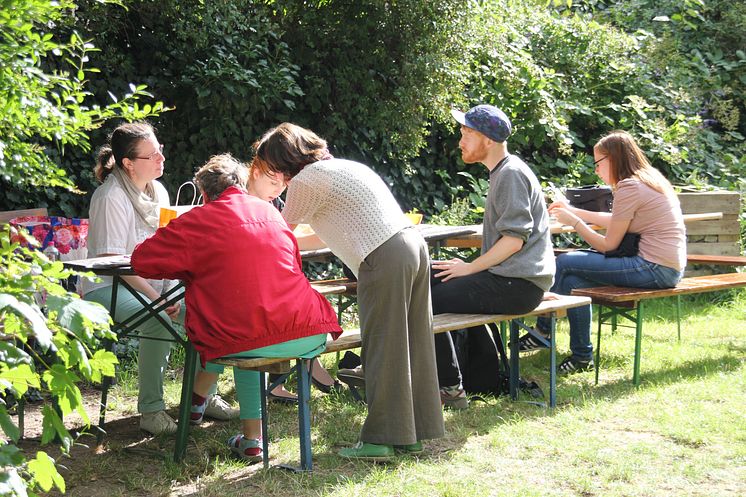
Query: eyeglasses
x,y
595,162
153,155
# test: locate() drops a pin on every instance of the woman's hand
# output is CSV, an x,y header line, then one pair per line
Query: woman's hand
x,y
559,204
565,216
452,268
173,311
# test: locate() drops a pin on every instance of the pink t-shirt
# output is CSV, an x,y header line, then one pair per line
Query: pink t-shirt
x,y
657,218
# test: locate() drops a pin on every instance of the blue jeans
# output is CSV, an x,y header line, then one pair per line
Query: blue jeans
x,y
586,269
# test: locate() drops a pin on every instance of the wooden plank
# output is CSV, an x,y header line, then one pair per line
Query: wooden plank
x,y
723,201
726,226
725,260
442,322
6,216
725,248
702,216
342,286
471,242
264,364
697,284
716,260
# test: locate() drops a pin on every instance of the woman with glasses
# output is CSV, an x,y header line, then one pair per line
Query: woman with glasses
x,y
124,211
644,204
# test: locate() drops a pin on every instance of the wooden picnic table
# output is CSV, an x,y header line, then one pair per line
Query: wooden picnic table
x,y
432,233
474,240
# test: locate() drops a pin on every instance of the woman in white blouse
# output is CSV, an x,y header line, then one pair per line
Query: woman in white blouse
x,y
124,211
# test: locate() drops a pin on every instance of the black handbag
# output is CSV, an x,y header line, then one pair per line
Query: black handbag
x,y
628,247
590,198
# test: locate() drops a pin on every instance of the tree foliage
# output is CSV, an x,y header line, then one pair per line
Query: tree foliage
x,y
42,109
49,340
377,79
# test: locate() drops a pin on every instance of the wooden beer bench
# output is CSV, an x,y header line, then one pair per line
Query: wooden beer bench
x,y
441,323
615,301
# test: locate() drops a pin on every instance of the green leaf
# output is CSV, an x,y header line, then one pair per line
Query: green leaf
x,y
103,363
11,483
21,377
75,314
13,356
8,426
32,314
54,429
45,472
10,455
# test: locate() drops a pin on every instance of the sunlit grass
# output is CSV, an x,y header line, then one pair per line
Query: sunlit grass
x,y
682,432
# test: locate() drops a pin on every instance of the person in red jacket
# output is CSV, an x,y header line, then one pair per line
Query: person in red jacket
x,y
246,294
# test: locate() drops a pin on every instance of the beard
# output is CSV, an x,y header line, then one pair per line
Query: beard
x,y
473,155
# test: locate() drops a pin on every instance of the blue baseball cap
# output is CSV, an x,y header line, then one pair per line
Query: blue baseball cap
x,y
487,119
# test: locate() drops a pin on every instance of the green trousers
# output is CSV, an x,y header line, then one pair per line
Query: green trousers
x,y
152,354
247,382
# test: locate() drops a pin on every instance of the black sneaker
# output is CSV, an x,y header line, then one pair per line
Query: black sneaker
x,y
529,343
572,365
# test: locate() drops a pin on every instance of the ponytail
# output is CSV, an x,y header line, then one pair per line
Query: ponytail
x,y
122,143
104,163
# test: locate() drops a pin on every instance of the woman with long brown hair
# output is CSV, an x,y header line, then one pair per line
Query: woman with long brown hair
x,y
352,210
645,204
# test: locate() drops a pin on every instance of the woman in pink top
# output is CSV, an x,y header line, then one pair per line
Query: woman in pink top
x,y
644,203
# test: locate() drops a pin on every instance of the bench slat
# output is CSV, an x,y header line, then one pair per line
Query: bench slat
x,y
697,284
6,216
342,286
441,323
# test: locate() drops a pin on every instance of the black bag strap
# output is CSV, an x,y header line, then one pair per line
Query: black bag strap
x,y
498,339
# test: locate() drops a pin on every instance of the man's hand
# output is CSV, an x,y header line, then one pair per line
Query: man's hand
x,y
550,296
453,268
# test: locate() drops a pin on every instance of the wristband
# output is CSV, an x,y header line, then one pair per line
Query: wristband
x,y
576,224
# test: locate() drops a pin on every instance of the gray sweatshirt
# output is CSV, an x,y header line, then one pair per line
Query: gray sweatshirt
x,y
515,207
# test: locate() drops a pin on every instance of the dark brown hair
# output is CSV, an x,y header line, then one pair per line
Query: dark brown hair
x,y
288,148
122,143
628,161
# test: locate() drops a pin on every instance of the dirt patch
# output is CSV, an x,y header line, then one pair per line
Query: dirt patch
x,y
128,462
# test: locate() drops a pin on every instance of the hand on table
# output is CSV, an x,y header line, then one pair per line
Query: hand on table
x,y
452,268
550,296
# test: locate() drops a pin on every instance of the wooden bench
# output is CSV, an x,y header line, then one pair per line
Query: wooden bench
x,y
441,323
629,303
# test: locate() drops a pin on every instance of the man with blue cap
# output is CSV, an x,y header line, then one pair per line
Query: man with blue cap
x,y
516,265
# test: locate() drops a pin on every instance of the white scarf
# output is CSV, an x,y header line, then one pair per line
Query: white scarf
x,y
145,203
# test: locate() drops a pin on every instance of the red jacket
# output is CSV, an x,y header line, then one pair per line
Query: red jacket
x,y
241,266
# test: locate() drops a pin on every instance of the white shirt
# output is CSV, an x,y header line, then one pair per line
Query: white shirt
x,y
348,206
115,228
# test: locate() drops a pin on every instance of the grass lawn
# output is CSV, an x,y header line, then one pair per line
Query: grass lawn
x,y
683,432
